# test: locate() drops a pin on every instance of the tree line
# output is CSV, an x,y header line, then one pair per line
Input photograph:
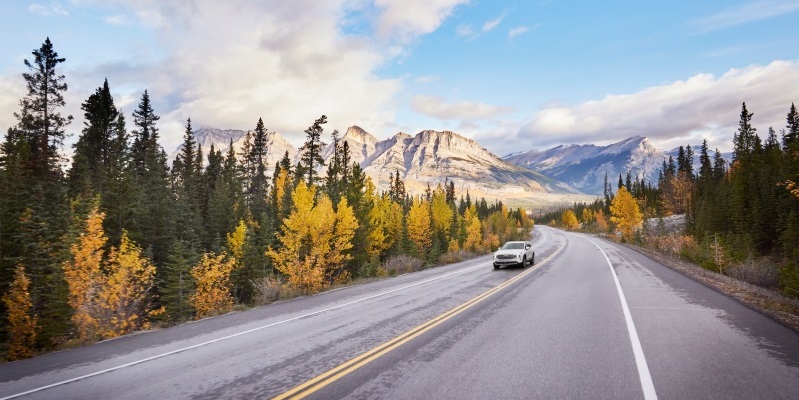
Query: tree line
x,y
740,219
115,239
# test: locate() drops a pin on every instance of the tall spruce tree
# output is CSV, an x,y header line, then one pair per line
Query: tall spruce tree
x,y
311,151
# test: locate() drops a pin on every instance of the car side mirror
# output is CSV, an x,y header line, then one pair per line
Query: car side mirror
x,y
527,247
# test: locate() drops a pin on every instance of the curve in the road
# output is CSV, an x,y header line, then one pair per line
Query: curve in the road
x,y
326,378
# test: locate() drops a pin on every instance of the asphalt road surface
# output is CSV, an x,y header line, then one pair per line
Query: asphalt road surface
x,y
591,320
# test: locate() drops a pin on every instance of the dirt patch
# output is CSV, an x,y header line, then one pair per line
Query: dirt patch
x,y
782,309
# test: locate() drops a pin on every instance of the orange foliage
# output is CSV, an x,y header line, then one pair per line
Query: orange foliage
x,y
212,276
21,324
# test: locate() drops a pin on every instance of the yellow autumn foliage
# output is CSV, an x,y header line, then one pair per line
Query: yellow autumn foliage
x,y
441,211
84,276
569,220
237,239
385,221
212,276
474,230
21,324
315,241
418,222
123,299
109,298
625,213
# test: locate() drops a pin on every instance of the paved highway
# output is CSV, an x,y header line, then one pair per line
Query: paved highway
x,y
590,320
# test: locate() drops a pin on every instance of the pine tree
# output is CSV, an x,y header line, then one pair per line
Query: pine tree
x,y
40,123
258,184
152,211
311,157
91,161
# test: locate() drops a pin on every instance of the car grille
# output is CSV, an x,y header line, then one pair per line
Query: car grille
x,y
506,257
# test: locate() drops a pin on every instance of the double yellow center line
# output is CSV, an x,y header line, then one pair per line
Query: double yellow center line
x,y
338,372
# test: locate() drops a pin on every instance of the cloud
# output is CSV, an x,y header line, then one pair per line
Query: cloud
x,y
45,11
118,19
437,107
743,14
513,32
703,106
491,24
404,20
288,62
466,31
426,79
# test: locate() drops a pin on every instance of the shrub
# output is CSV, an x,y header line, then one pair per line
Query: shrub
x,y
452,257
270,289
402,264
761,272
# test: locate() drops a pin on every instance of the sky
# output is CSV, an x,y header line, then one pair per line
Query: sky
x,y
513,75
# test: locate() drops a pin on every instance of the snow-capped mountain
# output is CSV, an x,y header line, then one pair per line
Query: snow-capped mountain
x,y
584,166
221,139
431,157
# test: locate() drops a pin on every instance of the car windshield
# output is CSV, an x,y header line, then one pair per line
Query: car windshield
x,y
513,246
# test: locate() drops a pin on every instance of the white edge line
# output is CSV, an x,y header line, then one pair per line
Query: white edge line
x,y
640,361
132,363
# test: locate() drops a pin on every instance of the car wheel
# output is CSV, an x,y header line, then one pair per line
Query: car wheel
x,y
524,261
496,266
532,260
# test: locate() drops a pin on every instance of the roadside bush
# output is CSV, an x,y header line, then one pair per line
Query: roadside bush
x,y
761,272
270,289
789,280
402,264
452,257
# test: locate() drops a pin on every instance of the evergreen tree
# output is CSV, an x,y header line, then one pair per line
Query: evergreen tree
x,y
92,158
311,151
40,123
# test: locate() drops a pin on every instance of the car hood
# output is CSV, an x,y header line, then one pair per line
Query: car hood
x,y
510,251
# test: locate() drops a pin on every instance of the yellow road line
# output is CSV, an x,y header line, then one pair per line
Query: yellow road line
x,y
326,378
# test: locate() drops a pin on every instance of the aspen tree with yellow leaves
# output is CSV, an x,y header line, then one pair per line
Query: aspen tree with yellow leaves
x,y
84,275
625,213
474,230
418,222
569,220
21,324
109,297
212,276
314,241
124,299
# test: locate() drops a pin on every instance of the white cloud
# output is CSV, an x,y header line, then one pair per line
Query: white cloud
x,y
403,20
745,13
437,107
513,32
287,62
118,19
491,24
519,30
47,11
466,31
426,79
703,106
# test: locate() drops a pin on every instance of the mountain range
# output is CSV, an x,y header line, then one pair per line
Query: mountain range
x,y
560,174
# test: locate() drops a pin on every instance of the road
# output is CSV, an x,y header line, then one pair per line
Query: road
x,y
591,320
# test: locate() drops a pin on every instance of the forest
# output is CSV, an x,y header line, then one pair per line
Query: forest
x,y
114,240
740,219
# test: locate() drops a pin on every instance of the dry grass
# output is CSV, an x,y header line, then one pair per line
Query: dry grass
x,y
402,264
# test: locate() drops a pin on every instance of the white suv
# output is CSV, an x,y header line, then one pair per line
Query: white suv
x,y
514,253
